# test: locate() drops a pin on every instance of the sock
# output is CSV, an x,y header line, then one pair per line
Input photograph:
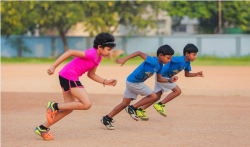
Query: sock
x,y
108,118
43,128
160,103
133,107
55,106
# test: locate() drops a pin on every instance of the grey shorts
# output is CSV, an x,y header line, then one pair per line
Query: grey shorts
x,y
159,86
133,89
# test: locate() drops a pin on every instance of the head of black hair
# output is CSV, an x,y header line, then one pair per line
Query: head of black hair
x,y
105,40
165,50
190,48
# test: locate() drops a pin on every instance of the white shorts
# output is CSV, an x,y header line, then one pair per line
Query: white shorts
x,y
133,89
160,86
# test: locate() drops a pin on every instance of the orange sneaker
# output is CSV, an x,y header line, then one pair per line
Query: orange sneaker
x,y
51,112
44,134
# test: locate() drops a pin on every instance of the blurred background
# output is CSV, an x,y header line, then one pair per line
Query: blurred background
x,y
46,29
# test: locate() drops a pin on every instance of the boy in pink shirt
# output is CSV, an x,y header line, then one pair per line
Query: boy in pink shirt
x,y
72,89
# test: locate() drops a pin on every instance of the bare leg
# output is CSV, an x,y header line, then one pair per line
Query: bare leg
x,y
172,95
148,99
84,102
67,98
149,104
120,107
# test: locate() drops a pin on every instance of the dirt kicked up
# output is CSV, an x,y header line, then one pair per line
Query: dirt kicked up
x,y
211,111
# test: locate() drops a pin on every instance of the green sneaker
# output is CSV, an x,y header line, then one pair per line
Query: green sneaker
x,y
44,134
160,109
141,114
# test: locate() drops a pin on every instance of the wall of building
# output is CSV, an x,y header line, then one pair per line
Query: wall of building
x,y
214,45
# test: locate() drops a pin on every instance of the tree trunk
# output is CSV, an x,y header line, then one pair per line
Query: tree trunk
x,y
220,29
62,35
19,48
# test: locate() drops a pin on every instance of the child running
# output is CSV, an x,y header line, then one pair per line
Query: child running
x,y
72,89
165,80
135,85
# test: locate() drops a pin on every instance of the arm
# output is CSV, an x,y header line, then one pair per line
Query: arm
x,y
95,77
198,74
164,80
135,54
63,57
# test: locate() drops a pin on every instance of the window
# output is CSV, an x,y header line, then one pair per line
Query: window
x,y
180,28
161,24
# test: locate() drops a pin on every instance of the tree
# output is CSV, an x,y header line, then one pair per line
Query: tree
x,y
97,16
60,15
15,21
107,16
233,13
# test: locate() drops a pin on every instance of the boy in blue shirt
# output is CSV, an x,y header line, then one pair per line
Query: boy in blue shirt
x,y
165,80
135,85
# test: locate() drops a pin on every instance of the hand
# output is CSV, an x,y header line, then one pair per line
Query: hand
x,y
174,79
111,82
120,61
51,70
200,74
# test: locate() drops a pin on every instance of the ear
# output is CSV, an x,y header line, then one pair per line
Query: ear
x,y
100,47
186,53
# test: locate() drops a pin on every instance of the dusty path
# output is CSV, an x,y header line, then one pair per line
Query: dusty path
x,y
218,81
211,111
207,121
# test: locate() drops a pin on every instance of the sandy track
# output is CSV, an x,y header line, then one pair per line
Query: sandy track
x,y
211,111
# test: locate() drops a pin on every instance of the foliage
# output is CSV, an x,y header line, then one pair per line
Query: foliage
x,y
106,16
17,17
98,16
234,13
59,15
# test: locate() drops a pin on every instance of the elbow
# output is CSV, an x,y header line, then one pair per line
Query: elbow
x,y
89,75
69,52
140,53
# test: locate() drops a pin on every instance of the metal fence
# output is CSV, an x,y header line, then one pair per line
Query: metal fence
x,y
52,46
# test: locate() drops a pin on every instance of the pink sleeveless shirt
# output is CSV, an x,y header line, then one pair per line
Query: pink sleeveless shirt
x,y
78,66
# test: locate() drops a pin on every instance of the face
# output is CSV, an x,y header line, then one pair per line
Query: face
x,y
191,57
165,59
106,51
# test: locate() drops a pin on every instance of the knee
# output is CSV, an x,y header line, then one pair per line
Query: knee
x,y
125,103
87,106
154,97
178,92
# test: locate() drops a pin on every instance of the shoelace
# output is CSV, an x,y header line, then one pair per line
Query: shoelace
x,y
47,134
54,113
143,113
162,106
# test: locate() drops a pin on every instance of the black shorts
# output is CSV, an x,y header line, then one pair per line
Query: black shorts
x,y
67,84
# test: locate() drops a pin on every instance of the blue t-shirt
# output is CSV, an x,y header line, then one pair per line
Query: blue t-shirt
x,y
145,70
176,65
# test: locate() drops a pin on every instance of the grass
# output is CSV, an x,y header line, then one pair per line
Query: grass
x,y
201,60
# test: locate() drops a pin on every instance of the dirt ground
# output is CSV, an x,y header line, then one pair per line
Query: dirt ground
x,y
211,111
